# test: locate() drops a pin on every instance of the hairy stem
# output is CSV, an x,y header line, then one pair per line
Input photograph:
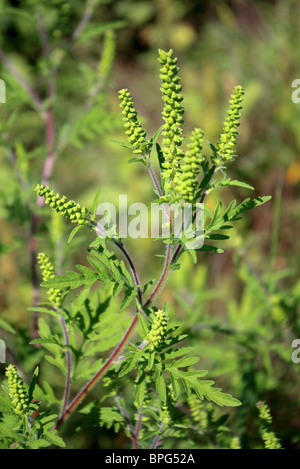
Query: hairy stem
x,y
68,364
87,14
80,397
116,353
162,279
22,81
128,423
133,270
156,439
138,427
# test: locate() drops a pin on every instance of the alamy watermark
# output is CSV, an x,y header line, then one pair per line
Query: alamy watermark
x,y
296,93
183,222
296,353
2,92
2,351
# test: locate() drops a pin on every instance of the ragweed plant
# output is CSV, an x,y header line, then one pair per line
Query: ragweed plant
x,y
152,359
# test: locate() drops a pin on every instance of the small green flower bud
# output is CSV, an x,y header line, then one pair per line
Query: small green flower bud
x,y
158,329
172,116
185,179
136,134
228,137
54,294
69,209
17,391
198,411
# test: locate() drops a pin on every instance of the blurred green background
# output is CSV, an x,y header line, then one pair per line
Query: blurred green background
x,y
241,308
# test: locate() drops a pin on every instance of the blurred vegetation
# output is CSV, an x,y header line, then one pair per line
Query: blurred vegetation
x,y
241,308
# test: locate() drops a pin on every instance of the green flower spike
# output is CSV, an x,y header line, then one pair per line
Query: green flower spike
x,y
108,54
54,295
264,412
198,412
172,115
157,330
235,443
227,142
17,391
68,209
165,415
133,128
186,179
270,439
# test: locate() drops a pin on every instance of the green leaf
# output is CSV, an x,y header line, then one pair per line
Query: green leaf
x,y
184,362
233,182
33,383
122,144
143,325
160,386
151,358
101,270
72,279
130,294
175,385
118,287
55,439
215,217
193,255
177,353
92,32
129,364
205,181
95,202
7,327
160,156
248,204
108,415
73,232
154,138
136,160
139,393
207,248
216,236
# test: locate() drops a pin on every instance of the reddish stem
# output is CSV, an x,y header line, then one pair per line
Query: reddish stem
x,y
79,398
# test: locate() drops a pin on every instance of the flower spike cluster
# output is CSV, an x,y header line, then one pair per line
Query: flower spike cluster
x,y
108,54
158,329
270,439
67,208
134,130
17,391
172,115
54,294
227,142
186,179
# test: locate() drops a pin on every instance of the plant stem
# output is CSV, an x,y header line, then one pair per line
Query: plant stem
x,y
156,441
87,14
116,353
133,270
23,83
138,427
162,279
127,420
154,178
68,363
79,398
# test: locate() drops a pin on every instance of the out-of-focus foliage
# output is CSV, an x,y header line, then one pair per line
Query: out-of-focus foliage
x,y
241,310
